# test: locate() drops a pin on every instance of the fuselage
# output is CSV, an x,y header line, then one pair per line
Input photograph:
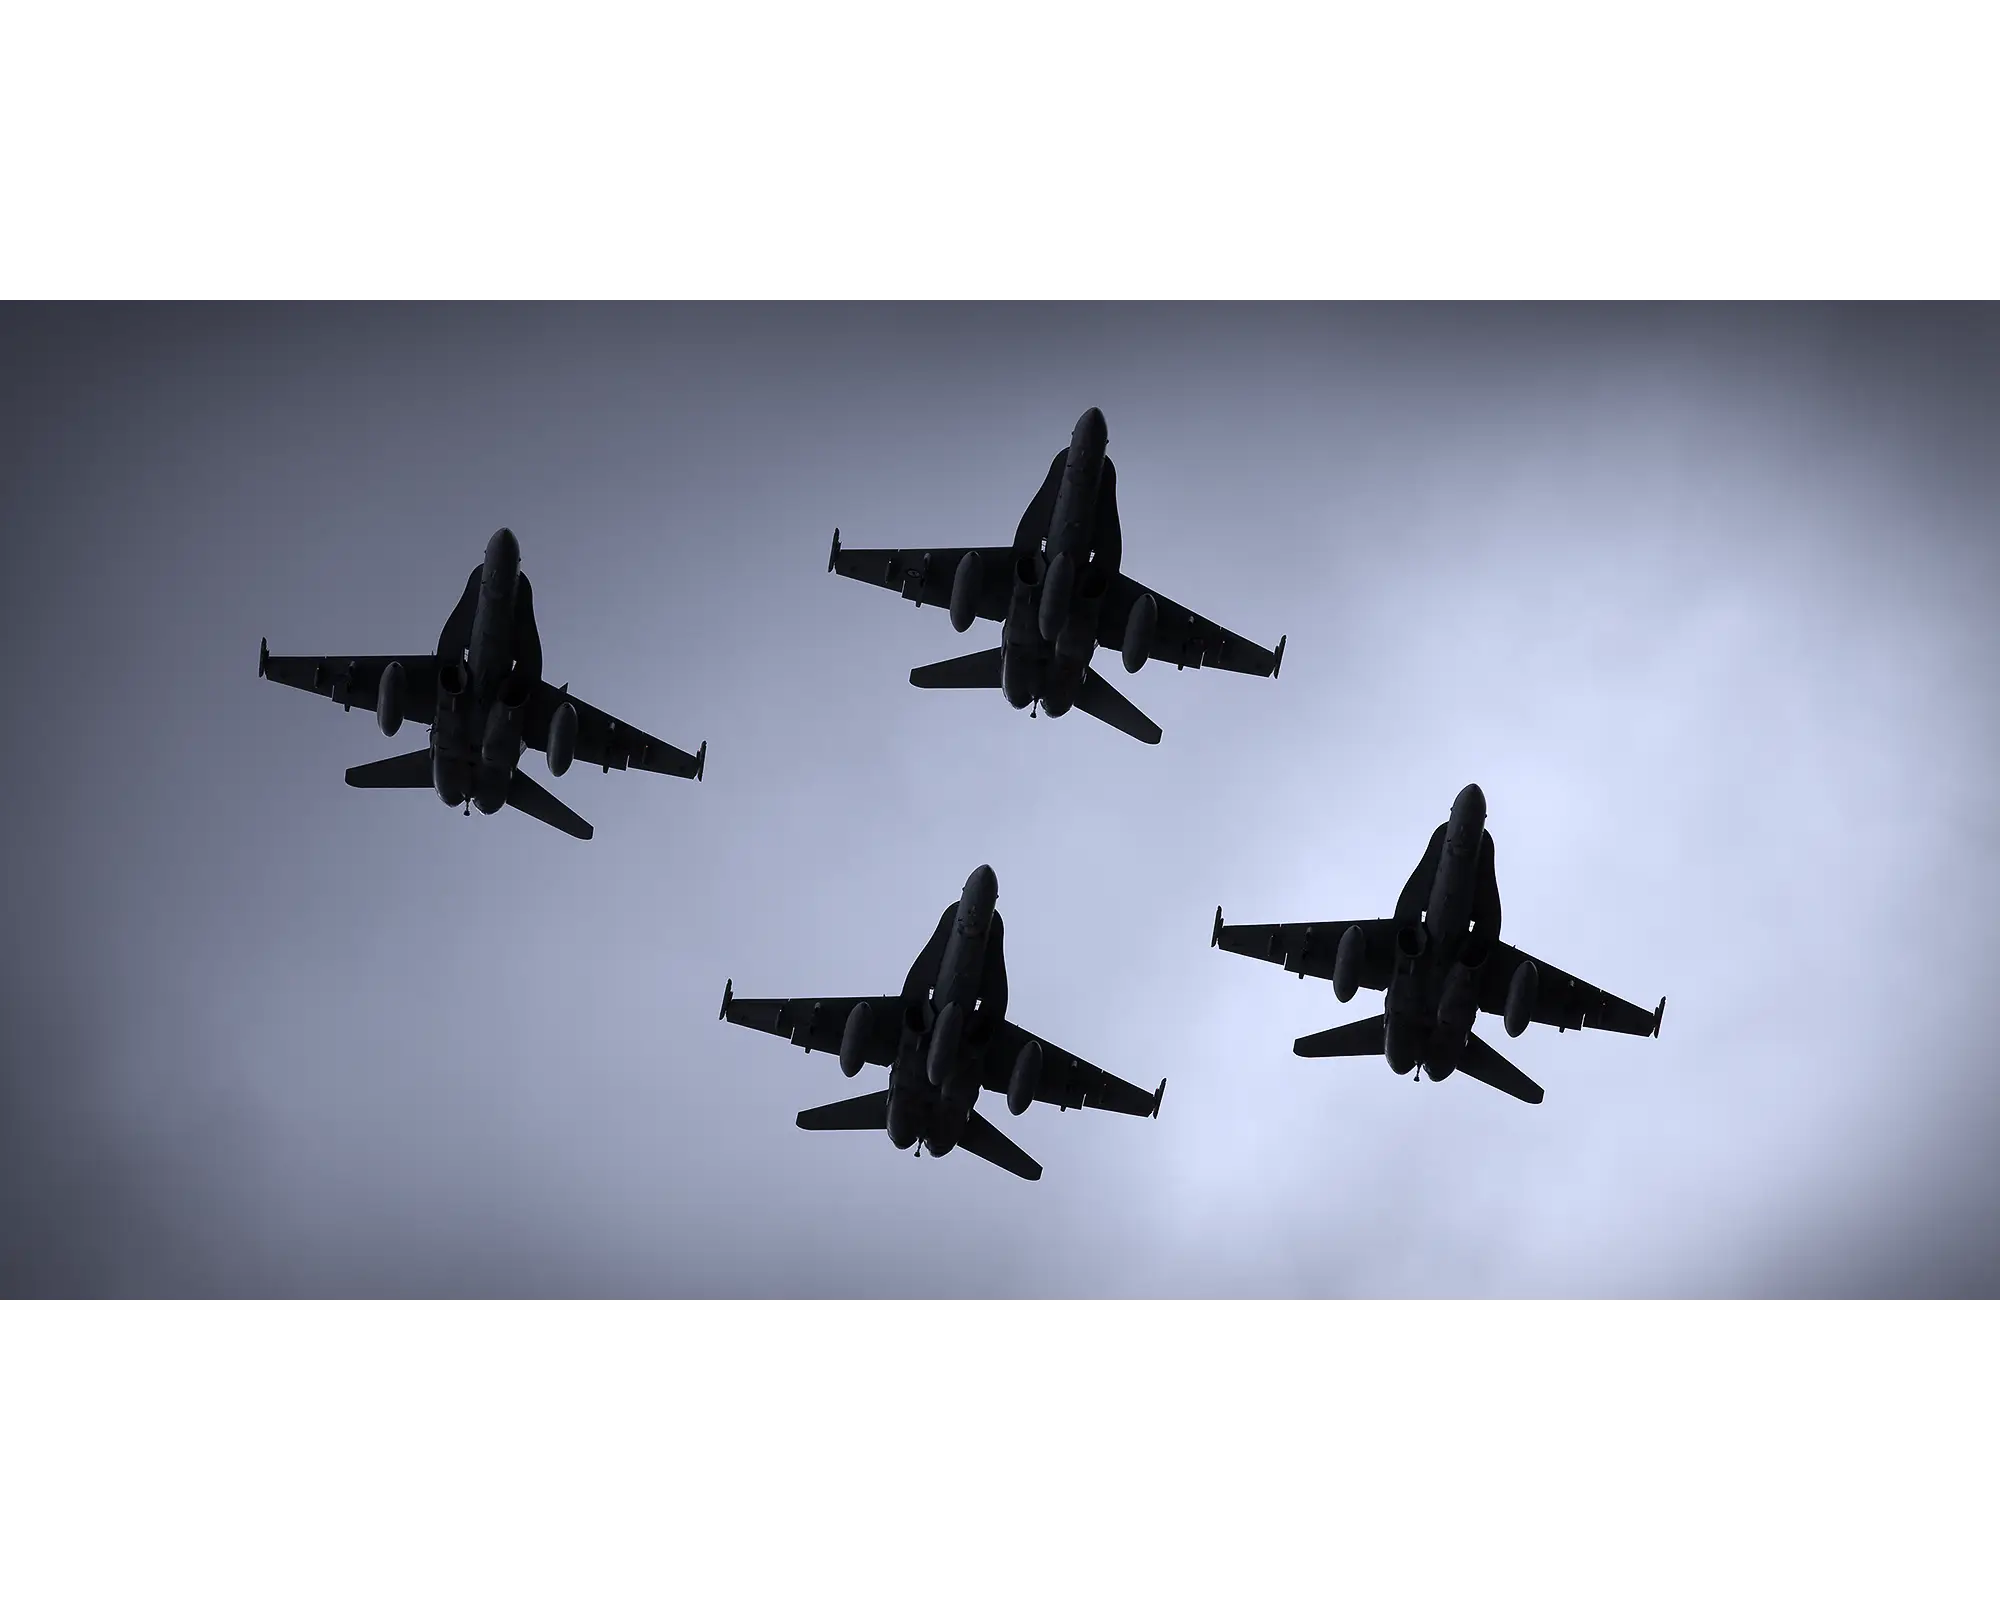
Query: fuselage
x,y
1434,991
1065,556
489,662
954,999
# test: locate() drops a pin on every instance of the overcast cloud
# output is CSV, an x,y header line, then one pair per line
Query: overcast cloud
x,y
1702,597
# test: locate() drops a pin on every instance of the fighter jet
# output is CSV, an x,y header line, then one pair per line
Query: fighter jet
x,y
1057,594
1442,962
483,695
943,1039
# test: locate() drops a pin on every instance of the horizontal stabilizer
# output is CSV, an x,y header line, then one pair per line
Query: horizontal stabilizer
x,y
980,670
1097,698
412,771
990,1144
526,795
1368,1037
1483,1062
865,1113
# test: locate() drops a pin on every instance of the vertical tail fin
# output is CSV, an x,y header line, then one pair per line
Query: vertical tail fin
x,y
990,1144
526,795
1368,1037
409,771
1482,1062
980,670
865,1113
1097,698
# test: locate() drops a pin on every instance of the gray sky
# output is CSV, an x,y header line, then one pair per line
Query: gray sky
x,y
1701,597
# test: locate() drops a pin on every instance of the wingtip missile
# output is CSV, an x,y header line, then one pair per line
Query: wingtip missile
x,y
1159,1094
1659,1013
728,994
833,555
1278,656
700,760
263,656
1215,933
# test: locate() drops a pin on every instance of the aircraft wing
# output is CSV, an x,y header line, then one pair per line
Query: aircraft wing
x,y
1562,1001
817,1023
1308,948
351,681
1067,1080
924,576
604,741
1182,637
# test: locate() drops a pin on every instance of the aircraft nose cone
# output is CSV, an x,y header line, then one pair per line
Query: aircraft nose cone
x,y
1469,809
503,546
1091,433
983,887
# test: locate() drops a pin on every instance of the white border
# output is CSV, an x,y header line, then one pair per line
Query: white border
x,y
971,1448
1033,150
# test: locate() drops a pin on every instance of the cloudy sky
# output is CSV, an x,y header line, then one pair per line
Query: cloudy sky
x,y
1702,597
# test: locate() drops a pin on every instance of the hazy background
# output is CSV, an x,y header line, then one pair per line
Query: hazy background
x,y
1702,597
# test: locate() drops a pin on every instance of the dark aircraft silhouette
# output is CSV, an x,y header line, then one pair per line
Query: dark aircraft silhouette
x,y
483,695
1442,962
1057,594
943,1039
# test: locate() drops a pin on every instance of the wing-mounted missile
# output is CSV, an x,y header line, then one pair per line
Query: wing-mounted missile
x,y
1140,626
1400,1043
728,994
910,1044
501,747
454,707
1457,1007
833,554
854,1037
1347,962
905,1118
1079,631
1020,659
1020,626
389,699
1521,990
1659,1015
945,1038
1410,942
562,739
1056,589
1027,1074
965,588
1159,1094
